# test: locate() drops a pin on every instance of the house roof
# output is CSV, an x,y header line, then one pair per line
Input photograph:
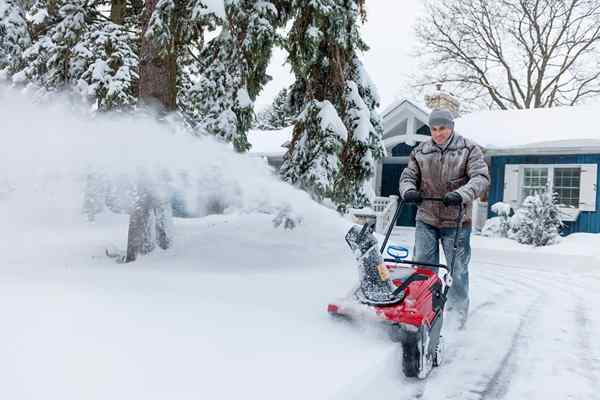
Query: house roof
x,y
270,143
556,130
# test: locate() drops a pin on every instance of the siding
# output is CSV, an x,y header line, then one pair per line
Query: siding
x,y
587,221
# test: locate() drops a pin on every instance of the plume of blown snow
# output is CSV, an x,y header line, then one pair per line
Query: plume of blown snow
x,y
50,148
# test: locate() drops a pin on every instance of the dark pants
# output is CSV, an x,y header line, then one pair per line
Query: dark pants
x,y
427,240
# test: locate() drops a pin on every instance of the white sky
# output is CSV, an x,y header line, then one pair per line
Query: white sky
x,y
389,33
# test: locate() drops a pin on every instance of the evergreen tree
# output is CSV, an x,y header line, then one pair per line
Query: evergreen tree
x,y
221,104
538,220
313,161
14,36
233,71
48,59
323,47
74,47
355,186
279,114
106,62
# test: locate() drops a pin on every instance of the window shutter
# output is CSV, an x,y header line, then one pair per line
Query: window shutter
x,y
511,185
588,188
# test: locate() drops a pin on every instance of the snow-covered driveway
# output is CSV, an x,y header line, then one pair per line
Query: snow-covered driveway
x,y
237,310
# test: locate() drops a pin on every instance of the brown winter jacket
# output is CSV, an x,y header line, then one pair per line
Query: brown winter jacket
x,y
434,171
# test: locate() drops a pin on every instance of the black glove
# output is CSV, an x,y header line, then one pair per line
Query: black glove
x,y
412,196
452,199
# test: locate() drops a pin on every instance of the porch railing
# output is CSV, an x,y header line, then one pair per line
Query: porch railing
x,y
381,213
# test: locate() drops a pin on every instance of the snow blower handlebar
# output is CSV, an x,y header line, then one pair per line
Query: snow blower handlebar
x,y
461,211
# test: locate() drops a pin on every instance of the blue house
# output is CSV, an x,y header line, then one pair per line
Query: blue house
x,y
553,150
528,151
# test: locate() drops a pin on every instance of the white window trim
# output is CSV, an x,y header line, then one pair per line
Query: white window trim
x,y
569,213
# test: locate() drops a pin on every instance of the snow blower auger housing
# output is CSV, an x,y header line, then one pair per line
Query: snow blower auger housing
x,y
408,296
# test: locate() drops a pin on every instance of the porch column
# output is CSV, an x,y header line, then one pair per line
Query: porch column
x,y
378,178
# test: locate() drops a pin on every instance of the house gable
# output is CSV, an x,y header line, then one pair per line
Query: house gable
x,y
404,123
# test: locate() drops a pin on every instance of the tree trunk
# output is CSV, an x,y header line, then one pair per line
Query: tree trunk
x,y
149,219
52,8
140,238
118,11
158,83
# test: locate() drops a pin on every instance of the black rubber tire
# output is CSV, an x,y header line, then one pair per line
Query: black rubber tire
x,y
411,358
438,353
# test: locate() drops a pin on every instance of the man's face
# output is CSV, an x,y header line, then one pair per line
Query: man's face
x,y
440,133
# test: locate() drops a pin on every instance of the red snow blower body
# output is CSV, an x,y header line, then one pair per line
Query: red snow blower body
x,y
408,296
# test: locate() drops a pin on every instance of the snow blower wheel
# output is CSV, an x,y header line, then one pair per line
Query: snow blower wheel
x,y
417,355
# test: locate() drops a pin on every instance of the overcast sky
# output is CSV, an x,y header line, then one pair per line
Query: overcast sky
x,y
389,33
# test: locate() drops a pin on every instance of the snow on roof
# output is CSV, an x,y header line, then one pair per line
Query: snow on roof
x,y
398,102
270,143
549,129
543,130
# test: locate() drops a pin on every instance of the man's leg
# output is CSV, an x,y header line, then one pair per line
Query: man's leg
x,y
426,243
458,296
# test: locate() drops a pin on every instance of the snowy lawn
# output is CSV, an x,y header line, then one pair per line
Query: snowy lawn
x,y
237,308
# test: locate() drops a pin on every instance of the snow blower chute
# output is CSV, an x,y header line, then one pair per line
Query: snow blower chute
x,y
409,296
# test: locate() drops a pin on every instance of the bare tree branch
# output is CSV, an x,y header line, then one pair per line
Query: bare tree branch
x,y
520,53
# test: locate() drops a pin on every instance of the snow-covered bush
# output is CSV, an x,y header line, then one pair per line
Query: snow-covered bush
x,y
492,227
538,221
499,226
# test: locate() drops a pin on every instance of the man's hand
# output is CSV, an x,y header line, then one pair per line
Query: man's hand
x,y
412,196
452,199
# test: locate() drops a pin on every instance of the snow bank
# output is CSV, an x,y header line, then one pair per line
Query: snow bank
x,y
578,250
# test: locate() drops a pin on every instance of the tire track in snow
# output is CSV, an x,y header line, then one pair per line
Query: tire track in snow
x,y
493,380
495,302
590,366
562,348
497,386
555,278
490,381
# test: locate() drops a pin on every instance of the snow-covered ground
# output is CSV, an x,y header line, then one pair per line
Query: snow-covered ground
x,y
237,307
237,310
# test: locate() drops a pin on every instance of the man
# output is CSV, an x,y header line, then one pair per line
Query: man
x,y
453,168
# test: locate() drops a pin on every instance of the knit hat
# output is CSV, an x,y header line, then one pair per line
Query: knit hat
x,y
439,117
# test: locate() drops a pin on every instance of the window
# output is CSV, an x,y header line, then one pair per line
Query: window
x,y
535,180
563,181
567,185
574,184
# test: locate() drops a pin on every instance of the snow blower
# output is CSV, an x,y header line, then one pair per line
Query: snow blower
x,y
408,296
